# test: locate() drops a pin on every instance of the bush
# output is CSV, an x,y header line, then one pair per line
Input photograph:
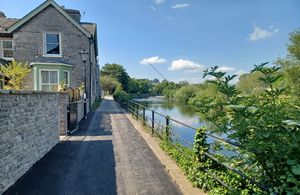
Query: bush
x,y
120,95
16,73
185,93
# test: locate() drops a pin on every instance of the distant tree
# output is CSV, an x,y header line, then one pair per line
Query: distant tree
x,y
185,93
250,84
166,88
291,65
16,73
140,86
118,72
155,81
109,84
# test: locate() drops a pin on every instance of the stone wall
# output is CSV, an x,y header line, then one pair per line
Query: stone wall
x,y
64,101
29,128
80,111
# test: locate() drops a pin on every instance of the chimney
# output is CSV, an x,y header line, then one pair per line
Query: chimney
x,y
75,14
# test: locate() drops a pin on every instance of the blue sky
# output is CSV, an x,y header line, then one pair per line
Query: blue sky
x,y
183,37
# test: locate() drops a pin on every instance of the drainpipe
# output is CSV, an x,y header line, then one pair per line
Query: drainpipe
x,y
90,72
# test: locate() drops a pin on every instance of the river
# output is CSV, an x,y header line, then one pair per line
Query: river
x,y
180,112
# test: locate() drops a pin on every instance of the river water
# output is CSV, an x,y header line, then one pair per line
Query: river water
x,y
180,112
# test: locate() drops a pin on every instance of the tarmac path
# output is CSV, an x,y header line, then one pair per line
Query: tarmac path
x,y
106,155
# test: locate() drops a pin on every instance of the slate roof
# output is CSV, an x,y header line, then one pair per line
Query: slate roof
x,y
90,27
6,22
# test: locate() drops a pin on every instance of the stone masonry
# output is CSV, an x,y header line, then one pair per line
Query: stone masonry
x,y
63,103
29,128
28,42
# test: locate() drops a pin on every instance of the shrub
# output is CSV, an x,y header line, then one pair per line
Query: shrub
x,y
16,73
120,95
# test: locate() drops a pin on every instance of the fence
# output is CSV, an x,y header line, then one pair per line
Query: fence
x,y
165,131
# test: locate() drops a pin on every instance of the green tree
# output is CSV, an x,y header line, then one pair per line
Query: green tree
x,y
140,86
16,73
109,84
291,65
185,93
265,125
250,84
118,72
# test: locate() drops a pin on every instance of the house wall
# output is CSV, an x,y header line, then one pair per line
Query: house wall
x,y
80,111
29,128
28,41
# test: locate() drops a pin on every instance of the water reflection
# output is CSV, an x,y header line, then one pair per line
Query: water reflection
x,y
180,112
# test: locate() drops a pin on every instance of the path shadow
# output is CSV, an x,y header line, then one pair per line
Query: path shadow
x,y
74,167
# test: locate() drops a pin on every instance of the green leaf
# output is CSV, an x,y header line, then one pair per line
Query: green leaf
x,y
296,169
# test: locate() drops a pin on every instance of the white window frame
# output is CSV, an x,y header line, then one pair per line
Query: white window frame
x,y
12,49
45,45
40,80
68,84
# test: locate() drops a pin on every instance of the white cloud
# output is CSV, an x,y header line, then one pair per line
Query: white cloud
x,y
177,6
184,65
238,74
259,33
159,1
153,60
225,69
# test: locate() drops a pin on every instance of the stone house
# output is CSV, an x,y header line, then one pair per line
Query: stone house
x,y
52,40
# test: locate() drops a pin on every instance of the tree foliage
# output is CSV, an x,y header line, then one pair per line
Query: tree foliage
x,y
185,93
16,73
118,72
291,65
262,123
140,86
109,84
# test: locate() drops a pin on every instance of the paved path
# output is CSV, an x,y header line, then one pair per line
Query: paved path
x,y
106,156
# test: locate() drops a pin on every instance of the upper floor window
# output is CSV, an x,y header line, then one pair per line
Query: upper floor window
x,y
52,44
7,49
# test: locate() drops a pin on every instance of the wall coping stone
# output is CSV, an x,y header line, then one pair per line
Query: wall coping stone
x,y
16,92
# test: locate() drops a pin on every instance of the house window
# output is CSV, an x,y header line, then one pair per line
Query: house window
x,y
49,80
7,49
52,44
66,78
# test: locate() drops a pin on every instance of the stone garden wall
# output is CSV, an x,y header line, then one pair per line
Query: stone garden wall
x,y
29,127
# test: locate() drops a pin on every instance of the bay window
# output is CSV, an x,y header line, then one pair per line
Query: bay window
x,y
49,80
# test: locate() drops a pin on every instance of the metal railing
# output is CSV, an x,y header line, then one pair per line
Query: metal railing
x,y
140,112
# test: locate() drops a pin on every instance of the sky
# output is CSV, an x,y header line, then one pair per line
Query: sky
x,y
181,38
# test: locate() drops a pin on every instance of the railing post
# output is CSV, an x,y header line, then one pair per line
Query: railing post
x,y
130,107
126,105
144,115
152,124
137,111
167,126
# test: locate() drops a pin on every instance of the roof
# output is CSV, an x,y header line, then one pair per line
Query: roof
x,y
6,23
37,10
90,27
